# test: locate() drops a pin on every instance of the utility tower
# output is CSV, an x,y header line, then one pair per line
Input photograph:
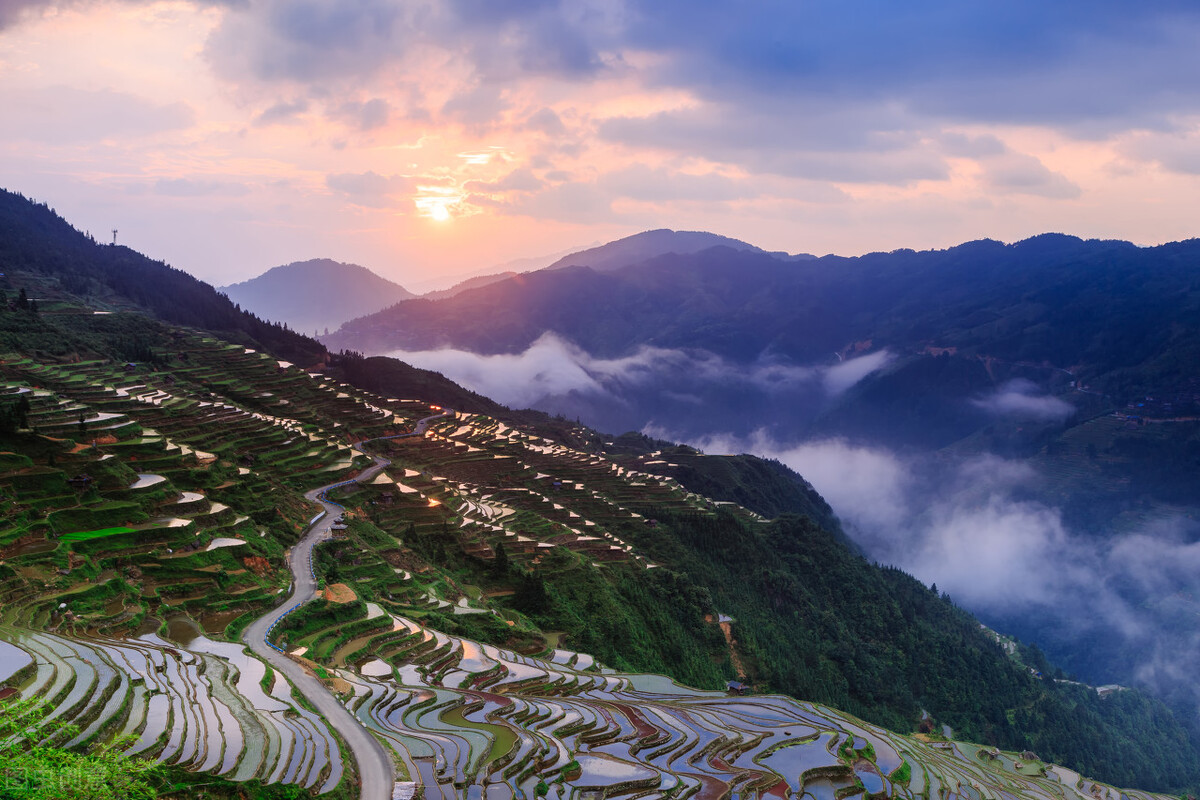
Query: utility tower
x,y
114,237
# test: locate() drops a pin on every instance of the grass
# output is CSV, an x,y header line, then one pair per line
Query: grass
x,y
81,536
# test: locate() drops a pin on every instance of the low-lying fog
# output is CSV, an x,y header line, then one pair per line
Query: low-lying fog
x,y
1106,604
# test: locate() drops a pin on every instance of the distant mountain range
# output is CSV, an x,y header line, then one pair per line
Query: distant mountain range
x,y
1114,314
316,294
651,244
1074,363
321,293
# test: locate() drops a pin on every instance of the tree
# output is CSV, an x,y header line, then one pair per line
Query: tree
x,y
33,771
500,565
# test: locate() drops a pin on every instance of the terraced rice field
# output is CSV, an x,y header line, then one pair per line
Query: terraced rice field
x,y
200,706
474,721
166,510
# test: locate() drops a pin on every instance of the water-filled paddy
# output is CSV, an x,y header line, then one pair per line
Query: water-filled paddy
x,y
145,481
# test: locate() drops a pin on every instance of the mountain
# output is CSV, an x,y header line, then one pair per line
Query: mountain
x,y
649,244
42,253
316,294
1071,362
1051,299
478,282
492,566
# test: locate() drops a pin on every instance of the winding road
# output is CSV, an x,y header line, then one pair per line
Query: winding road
x,y
375,767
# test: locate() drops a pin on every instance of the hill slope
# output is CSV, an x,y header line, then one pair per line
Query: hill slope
x,y
316,294
42,253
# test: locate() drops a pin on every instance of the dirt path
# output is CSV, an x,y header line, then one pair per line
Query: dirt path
x,y
738,667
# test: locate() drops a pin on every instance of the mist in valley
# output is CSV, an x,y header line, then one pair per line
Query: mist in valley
x,y
1112,604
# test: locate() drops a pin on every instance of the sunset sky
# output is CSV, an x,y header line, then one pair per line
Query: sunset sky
x,y
428,140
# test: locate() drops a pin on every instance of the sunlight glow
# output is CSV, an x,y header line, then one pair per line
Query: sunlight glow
x,y
440,204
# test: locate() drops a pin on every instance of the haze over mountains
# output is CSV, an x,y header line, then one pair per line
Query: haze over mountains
x,y
321,293
317,294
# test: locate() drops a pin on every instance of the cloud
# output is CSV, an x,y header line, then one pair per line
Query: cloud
x,y
974,526
546,121
189,187
12,11
1176,151
1015,61
366,115
1078,64
67,115
286,113
841,377
15,11
1017,173
553,367
568,202
838,140
309,40
549,367
661,185
1019,399
369,188
519,180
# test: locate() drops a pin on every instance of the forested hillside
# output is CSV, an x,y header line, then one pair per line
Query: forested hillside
x,y
39,248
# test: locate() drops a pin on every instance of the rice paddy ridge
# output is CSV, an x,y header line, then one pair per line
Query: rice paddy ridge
x,y
92,699
497,492
199,705
501,725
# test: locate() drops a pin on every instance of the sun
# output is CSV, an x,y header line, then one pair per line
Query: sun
x,y
439,213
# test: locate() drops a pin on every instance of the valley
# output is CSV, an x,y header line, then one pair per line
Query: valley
x,y
145,540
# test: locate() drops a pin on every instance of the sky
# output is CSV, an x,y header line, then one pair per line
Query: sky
x,y
431,140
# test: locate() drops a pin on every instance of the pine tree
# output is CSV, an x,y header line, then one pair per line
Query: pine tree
x,y
500,565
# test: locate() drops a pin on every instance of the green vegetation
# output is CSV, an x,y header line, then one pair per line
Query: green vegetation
x,y
30,770
80,536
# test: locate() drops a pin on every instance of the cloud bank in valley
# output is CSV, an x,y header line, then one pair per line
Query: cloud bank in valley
x,y
971,526
553,371
1021,399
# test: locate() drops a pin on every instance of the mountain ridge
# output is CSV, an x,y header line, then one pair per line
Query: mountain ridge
x,y
315,294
